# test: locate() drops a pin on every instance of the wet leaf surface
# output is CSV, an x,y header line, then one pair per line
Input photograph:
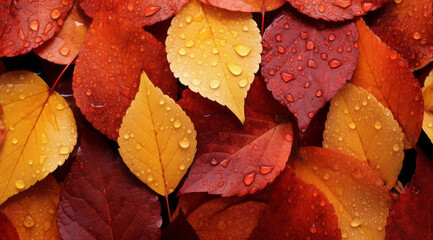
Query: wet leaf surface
x,y
247,5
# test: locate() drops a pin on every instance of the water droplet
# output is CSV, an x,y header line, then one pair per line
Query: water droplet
x,y
379,228
213,162
278,38
14,140
42,159
161,102
356,222
189,43
313,229
326,176
396,147
28,222
55,13
357,173
242,49
288,138
321,8
342,3
196,82
366,6
88,92
352,125
60,106
188,19
335,63
138,146
245,28
150,178
214,84
184,143
64,50
34,25
182,167
249,178
150,10
265,169
234,68
286,77
416,35
331,37
309,45
289,98
319,93
225,163
311,63
19,184
81,166
64,150
377,125
182,51
243,82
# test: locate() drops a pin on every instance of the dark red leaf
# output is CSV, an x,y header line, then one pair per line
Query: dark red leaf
x,y
107,74
305,62
179,229
411,216
7,228
103,200
336,10
297,210
25,25
141,13
233,159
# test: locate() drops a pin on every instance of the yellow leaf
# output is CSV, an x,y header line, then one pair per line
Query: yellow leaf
x,y
360,200
362,127
33,212
215,52
40,131
157,140
427,94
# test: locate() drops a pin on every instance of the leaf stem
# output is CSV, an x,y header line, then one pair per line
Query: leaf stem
x,y
61,74
168,206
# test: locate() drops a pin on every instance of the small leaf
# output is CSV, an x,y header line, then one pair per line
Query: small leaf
x,y
305,62
360,200
360,126
157,140
33,212
7,228
215,52
247,5
386,75
64,46
28,24
427,93
40,131
102,200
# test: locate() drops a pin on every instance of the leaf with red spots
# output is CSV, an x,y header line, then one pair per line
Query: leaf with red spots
x,y
25,25
247,5
411,216
305,62
102,200
297,210
234,159
386,75
406,26
107,74
141,13
7,228
336,10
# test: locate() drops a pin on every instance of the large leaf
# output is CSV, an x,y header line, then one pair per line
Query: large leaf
x,y
107,74
247,5
33,212
102,200
405,25
360,200
427,93
28,24
157,140
215,52
7,228
235,159
386,75
40,131
360,126
305,62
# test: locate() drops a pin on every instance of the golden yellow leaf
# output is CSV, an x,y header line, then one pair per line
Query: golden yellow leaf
x,y
40,131
360,200
157,140
362,127
33,212
427,94
215,52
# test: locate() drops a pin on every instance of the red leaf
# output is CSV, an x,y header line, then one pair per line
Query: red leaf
x,y
7,228
297,210
247,5
107,74
28,24
2,127
305,62
233,159
336,10
406,27
102,199
411,216
141,13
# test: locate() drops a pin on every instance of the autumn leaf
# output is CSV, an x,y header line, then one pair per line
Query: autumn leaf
x,y
28,24
411,215
40,131
2,127
360,200
33,212
64,46
234,159
141,13
360,126
297,211
305,62
107,73
157,140
405,26
247,5
427,93
7,228
101,200
386,75
336,10
179,229
215,52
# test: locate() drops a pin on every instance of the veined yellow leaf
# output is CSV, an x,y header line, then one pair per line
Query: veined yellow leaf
x,y
362,127
40,131
157,140
215,52
427,94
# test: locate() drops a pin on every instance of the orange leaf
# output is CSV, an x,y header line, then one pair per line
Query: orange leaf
x,y
360,200
33,212
385,74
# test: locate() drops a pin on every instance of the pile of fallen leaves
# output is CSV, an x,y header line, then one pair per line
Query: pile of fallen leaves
x,y
182,119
